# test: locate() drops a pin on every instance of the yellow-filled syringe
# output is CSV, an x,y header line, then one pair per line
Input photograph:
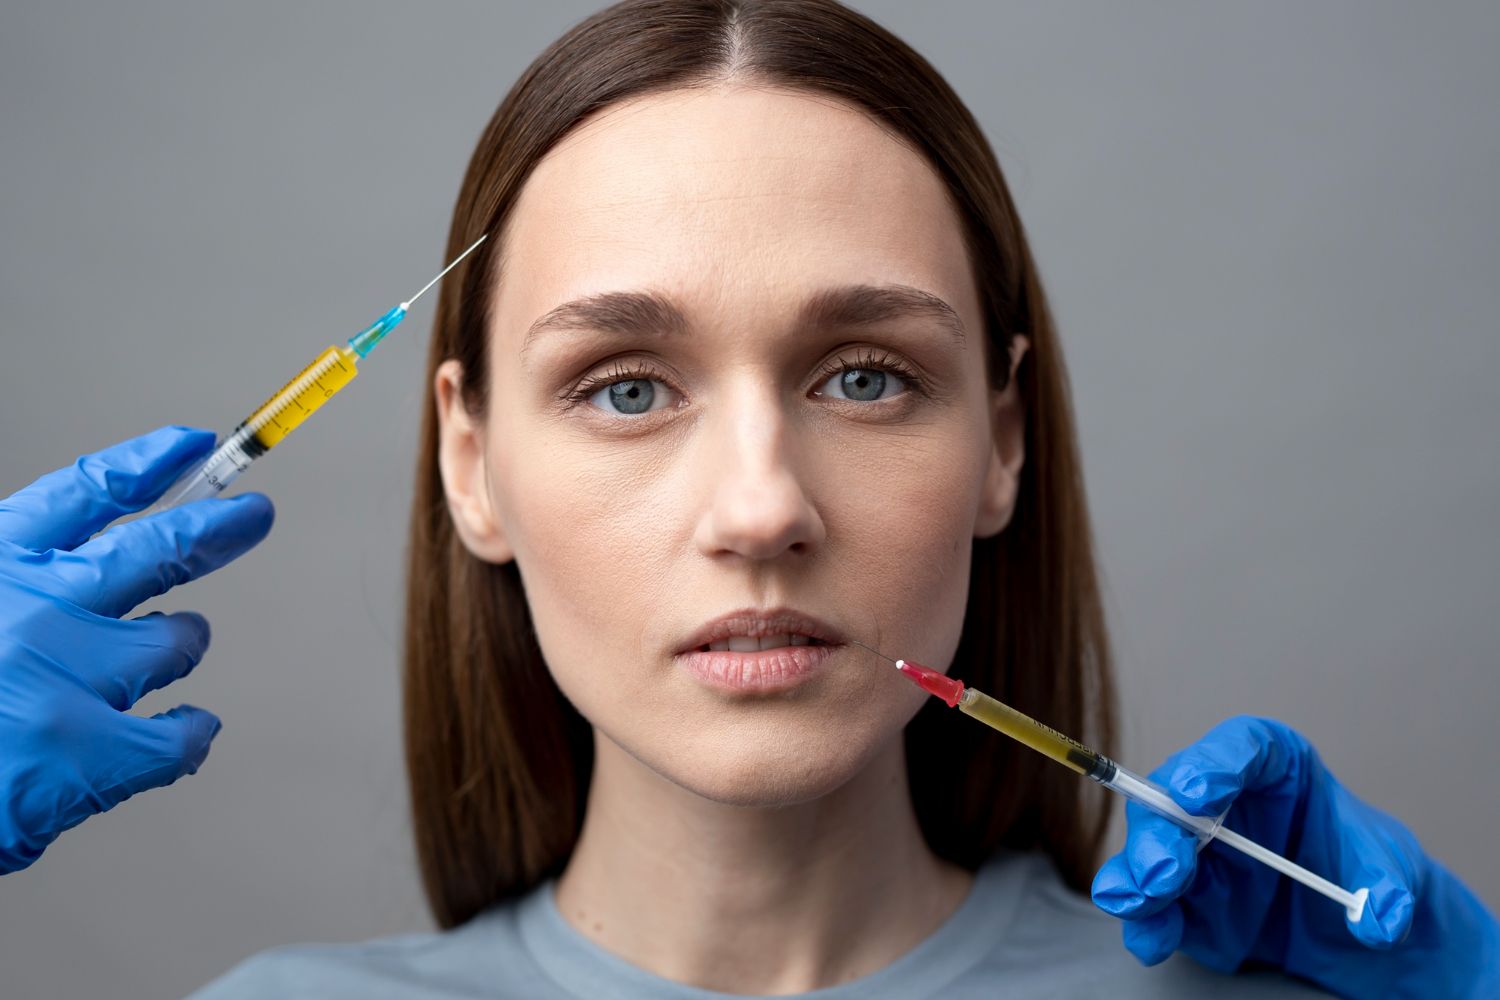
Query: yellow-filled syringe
x,y
1117,778
278,416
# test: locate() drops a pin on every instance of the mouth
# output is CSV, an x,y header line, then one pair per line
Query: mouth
x,y
751,644
759,650
751,630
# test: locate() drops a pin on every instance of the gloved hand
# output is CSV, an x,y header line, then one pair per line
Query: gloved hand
x,y
70,668
1422,933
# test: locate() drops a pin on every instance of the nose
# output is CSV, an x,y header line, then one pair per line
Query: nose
x,y
758,507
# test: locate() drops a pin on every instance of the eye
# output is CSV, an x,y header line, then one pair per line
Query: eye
x,y
633,389
625,389
869,378
631,396
863,384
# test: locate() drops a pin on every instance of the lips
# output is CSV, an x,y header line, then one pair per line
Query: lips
x,y
750,630
762,671
754,651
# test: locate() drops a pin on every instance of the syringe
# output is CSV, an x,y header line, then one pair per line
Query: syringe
x,y
1091,764
278,416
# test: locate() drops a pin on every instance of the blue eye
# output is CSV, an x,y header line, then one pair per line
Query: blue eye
x,y
630,390
630,396
863,384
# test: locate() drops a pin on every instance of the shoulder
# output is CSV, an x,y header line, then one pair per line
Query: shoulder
x,y
1053,942
481,958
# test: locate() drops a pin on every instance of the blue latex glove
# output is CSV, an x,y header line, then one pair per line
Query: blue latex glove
x,y
1422,933
70,668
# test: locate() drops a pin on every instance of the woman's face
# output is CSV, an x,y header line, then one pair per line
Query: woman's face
x,y
777,402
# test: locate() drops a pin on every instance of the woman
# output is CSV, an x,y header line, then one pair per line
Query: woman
x,y
756,367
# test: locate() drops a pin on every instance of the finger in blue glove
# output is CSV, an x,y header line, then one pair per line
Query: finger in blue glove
x,y
1419,926
70,667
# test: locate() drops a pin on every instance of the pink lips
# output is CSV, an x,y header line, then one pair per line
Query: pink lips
x,y
763,670
771,669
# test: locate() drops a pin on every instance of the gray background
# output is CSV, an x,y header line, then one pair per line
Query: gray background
x,y
1270,234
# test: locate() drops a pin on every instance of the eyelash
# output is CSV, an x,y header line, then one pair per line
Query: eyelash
x,y
884,361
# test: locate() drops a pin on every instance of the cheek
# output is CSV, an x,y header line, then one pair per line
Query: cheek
x,y
912,522
588,537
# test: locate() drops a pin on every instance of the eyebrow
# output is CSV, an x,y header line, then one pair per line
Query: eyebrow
x,y
650,312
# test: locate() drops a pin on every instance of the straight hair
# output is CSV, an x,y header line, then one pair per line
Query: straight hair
x,y
498,761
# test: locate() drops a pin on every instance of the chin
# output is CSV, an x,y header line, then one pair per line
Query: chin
x,y
767,766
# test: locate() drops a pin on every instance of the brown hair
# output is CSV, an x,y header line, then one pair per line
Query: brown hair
x,y
499,762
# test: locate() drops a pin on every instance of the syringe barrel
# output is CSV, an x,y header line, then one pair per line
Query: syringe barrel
x,y
1024,729
1158,800
263,429
295,402
210,477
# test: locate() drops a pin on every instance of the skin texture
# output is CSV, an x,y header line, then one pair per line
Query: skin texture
x,y
730,837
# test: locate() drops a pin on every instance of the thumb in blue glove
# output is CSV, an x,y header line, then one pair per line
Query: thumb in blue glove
x,y
70,667
1421,933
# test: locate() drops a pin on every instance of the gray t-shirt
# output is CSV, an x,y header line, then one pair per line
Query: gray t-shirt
x,y
1019,933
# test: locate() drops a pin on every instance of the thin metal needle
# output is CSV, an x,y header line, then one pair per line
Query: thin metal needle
x,y
407,304
875,651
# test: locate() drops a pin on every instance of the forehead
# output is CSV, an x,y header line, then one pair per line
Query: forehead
x,y
731,199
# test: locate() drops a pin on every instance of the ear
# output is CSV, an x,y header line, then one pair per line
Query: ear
x,y
465,472
997,501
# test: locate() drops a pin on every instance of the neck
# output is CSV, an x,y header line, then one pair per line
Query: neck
x,y
749,899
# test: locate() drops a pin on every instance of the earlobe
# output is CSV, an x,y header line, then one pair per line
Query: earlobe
x,y
1002,476
461,462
